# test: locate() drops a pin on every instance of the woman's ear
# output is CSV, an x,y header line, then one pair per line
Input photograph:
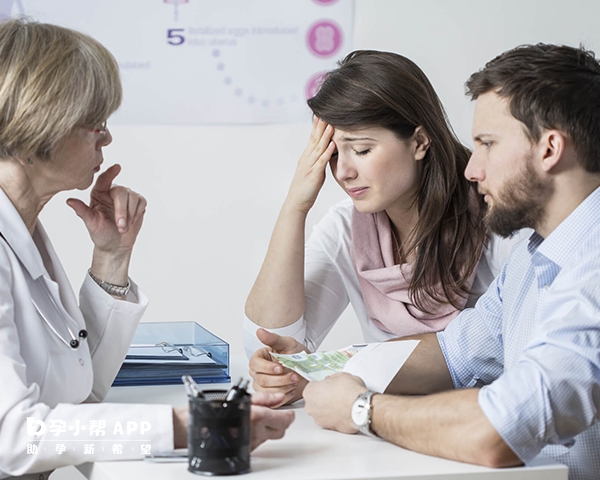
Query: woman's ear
x,y
421,142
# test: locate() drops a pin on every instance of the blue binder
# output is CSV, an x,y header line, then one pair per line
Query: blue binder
x,y
160,353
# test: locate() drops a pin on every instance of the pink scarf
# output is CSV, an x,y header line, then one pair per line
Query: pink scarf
x,y
384,285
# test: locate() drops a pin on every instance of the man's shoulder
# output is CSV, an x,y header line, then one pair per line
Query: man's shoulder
x,y
499,249
586,257
519,250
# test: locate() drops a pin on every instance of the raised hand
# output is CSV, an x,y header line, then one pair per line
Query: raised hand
x,y
310,172
115,213
269,375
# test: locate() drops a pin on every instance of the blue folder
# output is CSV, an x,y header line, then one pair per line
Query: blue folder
x,y
160,353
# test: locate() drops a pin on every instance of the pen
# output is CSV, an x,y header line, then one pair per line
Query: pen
x,y
191,387
168,457
237,391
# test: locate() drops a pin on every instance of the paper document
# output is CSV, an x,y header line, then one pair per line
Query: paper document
x,y
167,353
375,363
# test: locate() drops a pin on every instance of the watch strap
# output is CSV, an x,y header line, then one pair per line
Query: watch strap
x,y
111,288
367,397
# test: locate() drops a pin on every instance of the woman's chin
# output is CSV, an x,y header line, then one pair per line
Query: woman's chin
x,y
364,207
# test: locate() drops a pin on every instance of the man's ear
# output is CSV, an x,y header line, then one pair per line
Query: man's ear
x,y
421,142
552,146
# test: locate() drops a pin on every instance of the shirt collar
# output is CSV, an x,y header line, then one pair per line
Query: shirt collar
x,y
19,239
570,233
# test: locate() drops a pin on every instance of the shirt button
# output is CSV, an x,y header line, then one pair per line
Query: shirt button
x,y
81,362
546,288
41,477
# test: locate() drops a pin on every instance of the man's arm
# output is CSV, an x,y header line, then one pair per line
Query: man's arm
x,y
448,424
467,354
424,372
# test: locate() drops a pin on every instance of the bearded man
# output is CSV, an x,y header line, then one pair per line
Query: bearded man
x,y
519,373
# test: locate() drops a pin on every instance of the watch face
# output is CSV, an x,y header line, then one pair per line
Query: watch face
x,y
360,412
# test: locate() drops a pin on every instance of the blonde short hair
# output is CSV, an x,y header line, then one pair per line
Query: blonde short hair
x,y
52,80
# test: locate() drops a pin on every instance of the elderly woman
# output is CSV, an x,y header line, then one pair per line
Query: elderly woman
x,y
58,357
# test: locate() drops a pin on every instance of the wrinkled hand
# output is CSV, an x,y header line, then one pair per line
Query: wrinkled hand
x,y
115,213
269,375
330,401
266,423
310,172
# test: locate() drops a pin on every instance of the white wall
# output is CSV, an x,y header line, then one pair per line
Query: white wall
x,y
214,192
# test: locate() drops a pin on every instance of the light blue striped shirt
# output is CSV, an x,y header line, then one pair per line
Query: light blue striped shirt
x,y
532,342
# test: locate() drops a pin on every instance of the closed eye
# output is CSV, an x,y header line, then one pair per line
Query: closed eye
x,y
362,152
484,143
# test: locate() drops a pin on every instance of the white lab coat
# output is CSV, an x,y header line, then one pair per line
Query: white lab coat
x,y
43,378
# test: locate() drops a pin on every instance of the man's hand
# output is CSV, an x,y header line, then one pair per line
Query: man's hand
x,y
269,375
330,401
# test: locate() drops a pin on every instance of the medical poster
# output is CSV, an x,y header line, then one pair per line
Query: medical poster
x,y
186,62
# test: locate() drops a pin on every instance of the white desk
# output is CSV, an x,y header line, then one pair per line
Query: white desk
x,y
309,452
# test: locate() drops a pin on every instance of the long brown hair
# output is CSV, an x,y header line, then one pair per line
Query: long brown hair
x,y
382,89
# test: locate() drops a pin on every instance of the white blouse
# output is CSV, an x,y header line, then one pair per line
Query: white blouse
x,y
330,282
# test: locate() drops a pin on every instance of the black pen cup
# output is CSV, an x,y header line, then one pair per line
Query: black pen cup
x,y
219,434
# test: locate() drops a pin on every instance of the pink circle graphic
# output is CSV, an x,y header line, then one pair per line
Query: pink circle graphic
x,y
314,84
325,2
324,38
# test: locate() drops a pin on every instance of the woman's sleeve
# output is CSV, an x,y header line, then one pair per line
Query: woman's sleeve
x,y
35,437
324,288
111,324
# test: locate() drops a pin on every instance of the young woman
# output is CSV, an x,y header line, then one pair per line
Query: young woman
x,y
409,250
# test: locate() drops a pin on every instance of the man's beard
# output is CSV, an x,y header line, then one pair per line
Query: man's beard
x,y
520,203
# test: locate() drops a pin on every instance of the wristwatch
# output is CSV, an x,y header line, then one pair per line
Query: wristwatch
x,y
361,412
111,288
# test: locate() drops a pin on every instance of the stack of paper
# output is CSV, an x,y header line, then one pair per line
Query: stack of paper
x,y
162,352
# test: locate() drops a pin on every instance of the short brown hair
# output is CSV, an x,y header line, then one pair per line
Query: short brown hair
x,y
549,87
52,80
